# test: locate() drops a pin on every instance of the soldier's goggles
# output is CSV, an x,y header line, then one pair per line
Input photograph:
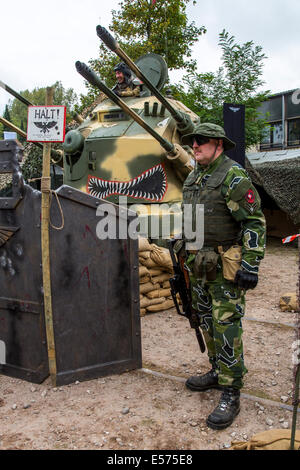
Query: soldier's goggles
x,y
200,140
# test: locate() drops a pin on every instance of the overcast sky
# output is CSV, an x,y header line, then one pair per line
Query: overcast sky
x,y
41,41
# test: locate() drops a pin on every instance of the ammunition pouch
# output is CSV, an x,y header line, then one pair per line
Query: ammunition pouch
x,y
179,248
205,264
231,261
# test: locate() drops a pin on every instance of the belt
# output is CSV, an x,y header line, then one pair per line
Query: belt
x,y
205,248
211,248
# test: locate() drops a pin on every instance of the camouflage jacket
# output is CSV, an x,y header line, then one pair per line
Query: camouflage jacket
x,y
243,202
127,88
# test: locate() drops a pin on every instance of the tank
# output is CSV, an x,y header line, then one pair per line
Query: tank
x,y
129,148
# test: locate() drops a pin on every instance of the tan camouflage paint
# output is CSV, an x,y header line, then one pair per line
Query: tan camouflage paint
x,y
127,148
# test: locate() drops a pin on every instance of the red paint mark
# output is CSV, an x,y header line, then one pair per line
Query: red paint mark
x,y
86,271
88,230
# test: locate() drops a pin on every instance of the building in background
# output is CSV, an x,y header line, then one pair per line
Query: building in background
x,y
275,164
284,121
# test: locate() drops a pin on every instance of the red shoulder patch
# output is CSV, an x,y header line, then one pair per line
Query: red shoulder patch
x,y
250,196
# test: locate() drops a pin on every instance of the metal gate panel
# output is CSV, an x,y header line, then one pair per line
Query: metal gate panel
x,y
95,287
22,326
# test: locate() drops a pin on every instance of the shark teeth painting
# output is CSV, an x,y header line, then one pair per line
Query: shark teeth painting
x,y
150,185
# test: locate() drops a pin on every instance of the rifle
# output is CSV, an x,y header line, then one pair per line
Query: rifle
x,y
179,284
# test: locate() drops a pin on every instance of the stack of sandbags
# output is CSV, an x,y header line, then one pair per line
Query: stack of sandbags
x,y
155,269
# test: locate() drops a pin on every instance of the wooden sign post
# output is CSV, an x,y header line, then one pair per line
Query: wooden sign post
x,y
45,188
46,124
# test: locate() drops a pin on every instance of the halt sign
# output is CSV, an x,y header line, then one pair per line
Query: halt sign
x,y
46,123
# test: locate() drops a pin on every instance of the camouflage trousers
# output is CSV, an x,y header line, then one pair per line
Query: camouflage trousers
x,y
220,306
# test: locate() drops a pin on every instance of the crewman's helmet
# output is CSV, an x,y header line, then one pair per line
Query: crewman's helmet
x,y
121,67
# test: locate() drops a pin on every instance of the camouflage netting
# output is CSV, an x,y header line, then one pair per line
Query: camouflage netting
x,y
5,185
281,181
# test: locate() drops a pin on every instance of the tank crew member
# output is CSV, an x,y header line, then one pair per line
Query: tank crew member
x,y
126,84
227,264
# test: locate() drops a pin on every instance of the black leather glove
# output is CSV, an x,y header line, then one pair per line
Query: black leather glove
x,y
246,280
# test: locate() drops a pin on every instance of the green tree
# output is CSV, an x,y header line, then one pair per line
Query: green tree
x,y
7,116
142,26
236,81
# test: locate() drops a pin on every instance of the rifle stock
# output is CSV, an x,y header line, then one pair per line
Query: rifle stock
x,y
179,285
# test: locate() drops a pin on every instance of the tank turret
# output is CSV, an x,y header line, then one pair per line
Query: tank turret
x,y
174,152
184,123
130,146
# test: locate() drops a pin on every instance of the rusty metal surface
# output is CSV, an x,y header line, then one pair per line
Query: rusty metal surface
x,y
95,291
96,302
21,301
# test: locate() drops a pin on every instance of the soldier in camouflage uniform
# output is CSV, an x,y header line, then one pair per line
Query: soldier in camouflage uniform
x,y
227,264
126,85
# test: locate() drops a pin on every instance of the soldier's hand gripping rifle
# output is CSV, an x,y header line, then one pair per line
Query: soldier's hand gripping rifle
x,y
180,285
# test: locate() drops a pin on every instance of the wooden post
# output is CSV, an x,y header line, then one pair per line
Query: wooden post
x,y
45,188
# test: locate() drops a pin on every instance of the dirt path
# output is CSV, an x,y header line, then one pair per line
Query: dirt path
x,y
151,408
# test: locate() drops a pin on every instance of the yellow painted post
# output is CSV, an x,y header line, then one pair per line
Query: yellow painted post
x,y
45,188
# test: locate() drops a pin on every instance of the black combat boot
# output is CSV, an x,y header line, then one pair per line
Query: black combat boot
x,y
200,383
227,409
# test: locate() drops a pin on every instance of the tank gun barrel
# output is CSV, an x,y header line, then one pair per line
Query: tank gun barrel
x,y
94,80
15,94
184,123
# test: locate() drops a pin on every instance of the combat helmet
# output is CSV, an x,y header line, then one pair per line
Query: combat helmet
x,y
122,67
207,129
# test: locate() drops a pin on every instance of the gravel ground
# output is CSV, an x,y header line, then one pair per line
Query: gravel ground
x,y
150,408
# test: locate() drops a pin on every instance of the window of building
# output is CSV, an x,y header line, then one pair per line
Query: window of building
x,y
279,107
293,132
273,136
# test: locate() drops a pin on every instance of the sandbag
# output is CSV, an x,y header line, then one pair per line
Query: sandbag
x,y
159,293
161,278
143,312
166,284
145,279
144,244
162,306
161,256
154,272
274,439
289,302
145,302
144,255
149,263
143,271
145,288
